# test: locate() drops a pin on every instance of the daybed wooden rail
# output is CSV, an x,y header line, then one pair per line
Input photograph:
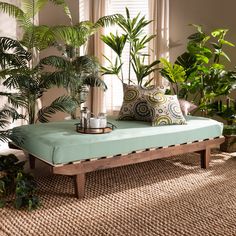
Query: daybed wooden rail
x,y
80,168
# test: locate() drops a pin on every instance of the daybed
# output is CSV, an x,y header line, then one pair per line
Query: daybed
x,y
75,154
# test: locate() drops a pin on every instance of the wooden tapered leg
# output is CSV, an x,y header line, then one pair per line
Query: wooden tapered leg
x,y
80,185
205,158
31,161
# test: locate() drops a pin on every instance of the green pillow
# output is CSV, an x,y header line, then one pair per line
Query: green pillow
x,y
134,105
165,109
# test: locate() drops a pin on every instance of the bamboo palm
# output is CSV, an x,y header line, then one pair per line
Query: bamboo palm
x,y
137,40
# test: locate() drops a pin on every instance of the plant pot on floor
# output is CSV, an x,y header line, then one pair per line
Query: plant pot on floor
x,y
230,139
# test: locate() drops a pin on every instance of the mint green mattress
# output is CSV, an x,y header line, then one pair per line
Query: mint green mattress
x,y
58,142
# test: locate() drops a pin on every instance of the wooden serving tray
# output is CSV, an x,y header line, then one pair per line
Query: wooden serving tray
x,y
105,130
93,130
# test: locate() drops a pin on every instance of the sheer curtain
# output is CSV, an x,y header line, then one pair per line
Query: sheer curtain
x,y
159,46
92,10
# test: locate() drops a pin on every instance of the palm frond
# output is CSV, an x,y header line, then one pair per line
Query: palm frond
x,y
71,35
17,13
16,77
12,53
11,45
63,104
16,99
39,37
86,64
56,78
94,81
8,112
5,114
107,20
115,42
55,61
12,135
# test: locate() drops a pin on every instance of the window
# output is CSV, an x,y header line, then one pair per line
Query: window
x,y
157,10
114,94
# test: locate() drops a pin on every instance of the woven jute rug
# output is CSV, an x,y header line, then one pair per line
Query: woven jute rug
x,y
164,197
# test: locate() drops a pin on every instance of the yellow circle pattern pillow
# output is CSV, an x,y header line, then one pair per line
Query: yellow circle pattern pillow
x,y
165,109
134,105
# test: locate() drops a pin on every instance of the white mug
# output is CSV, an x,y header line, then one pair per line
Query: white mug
x,y
103,122
94,123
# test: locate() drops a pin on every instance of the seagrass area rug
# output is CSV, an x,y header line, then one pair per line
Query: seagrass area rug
x,y
163,197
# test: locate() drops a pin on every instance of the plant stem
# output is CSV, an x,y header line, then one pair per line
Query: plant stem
x,y
130,45
121,71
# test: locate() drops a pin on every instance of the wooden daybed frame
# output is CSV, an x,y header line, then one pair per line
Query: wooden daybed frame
x,y
80,168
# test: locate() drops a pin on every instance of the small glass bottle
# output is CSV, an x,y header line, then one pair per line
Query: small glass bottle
x,y
84,117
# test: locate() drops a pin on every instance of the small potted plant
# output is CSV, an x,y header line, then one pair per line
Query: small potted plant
x,y
228,113
16,186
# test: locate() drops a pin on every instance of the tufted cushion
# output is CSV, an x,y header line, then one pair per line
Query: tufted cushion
x,y
165,109
134,105
186,106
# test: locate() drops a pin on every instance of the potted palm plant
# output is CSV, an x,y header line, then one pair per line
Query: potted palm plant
x,y
28,82
134,36
30,78
75,73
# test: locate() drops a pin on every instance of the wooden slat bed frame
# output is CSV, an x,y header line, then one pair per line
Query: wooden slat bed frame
x,y
80,168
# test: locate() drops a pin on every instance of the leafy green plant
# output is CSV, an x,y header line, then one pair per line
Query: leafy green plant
x,y
229,130
76,73
29,83
137,41
174,73
13,180
30,78
204,76
5,134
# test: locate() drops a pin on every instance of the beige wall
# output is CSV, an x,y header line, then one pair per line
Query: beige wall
x,y
211,14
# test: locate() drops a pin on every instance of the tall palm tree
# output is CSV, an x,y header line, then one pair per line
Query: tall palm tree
x,y
41,36
75,73
29,83
30,79
137,40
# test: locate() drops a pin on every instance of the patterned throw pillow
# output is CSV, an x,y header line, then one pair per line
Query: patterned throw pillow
x,y
165,109
186,106
134,105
